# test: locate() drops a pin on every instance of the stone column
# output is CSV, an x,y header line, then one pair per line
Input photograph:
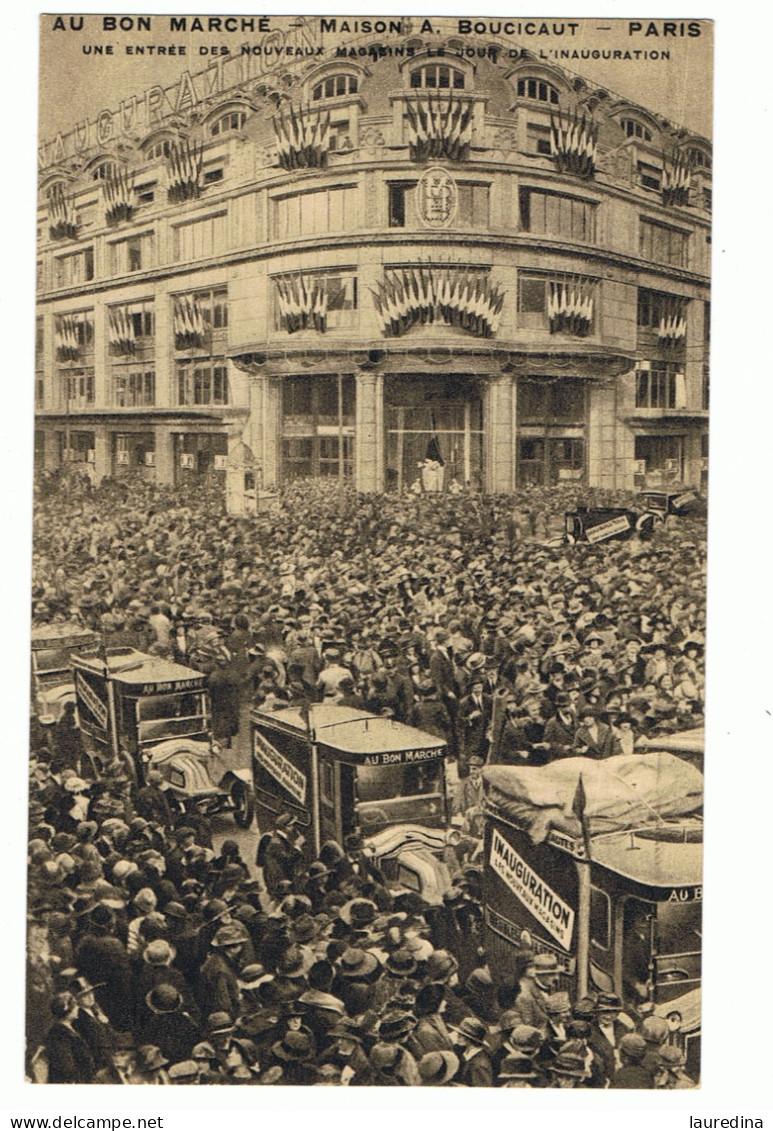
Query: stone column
x,y
164,455
500,434
101,453
369,432
600,437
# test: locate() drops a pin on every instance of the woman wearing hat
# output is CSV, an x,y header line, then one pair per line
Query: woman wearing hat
x,y
167,1024
471,1041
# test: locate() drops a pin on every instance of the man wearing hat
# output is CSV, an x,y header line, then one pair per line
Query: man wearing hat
x,y
632,1072
69,1057
281,859
166,1024
122,1068
151,1066
218,985
594,738
561,728
474,721
471,1042
669,1072
531,1004
469,797
92,1022
516,1072
568,1067
438,1068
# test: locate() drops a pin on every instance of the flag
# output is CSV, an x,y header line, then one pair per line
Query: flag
x,y
579,805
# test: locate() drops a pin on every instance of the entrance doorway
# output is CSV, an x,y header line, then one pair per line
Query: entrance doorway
x,y
435,419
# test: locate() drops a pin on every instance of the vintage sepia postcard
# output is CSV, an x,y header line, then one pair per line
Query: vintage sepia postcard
x,y
368,611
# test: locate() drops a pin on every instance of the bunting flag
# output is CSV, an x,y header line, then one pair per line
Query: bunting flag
x,y
303,302
121,331
672,325
118,193
67,337
184,164
570,306
61,213
439,127
188,323
574,141
675,185
429,293
302,137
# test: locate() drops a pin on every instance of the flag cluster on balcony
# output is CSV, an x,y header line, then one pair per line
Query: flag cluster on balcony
x,y
61,211
439,127
184,165
302,137
415,296
570,307
303,302
672,325
574,144
67,338
120,331
675,184
188,323
118,193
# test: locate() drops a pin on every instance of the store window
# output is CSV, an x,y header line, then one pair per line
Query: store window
x,y
662,244
137,253
314,213
550,401
437,76
537,90
334,86
662,456
318,416
199,239
554,214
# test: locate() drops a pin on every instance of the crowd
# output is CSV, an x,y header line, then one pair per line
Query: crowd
x,y
155,957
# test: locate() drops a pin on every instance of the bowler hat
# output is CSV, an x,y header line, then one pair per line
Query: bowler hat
x,y
232,934
294,1046
163,999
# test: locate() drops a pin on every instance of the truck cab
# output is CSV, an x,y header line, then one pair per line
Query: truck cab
x,y
53,646
340,771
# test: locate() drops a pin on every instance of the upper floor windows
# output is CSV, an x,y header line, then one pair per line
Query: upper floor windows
x,y
538,90
136,253
633,128
699,158
649,176
105,171
158,149
312,213
334,86
437,76
553,214
662,244
232,121
70,270
200,238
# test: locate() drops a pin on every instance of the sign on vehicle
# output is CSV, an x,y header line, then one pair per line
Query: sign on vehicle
x,y
608,529
89,696
547,907
282,769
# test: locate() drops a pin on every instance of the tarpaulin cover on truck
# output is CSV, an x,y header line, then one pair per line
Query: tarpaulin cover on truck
x,y
623,792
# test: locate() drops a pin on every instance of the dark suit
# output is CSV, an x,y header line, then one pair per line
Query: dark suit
x,y
69,1057
602,746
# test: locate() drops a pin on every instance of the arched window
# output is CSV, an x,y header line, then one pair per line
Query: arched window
x,y
233,120
334,86
538,90
699,158
437,76
103,171
159,148
633,128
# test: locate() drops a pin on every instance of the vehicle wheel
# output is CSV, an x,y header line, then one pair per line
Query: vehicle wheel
x,y
243,803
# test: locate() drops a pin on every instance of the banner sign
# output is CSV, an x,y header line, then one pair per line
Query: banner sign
x,y
86,692
608,529
547,907
403,757
280,768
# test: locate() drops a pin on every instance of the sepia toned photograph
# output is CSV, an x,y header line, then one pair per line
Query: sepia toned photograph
x,y
368,610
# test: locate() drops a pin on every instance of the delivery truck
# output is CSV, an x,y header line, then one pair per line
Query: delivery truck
x,y
341,771
600,864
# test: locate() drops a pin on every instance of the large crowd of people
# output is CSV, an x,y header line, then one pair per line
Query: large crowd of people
x,y
157,956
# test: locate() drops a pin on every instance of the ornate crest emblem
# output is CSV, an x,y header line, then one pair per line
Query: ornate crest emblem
x,y
436,197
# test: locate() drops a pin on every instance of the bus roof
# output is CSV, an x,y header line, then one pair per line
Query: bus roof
x,y
61,635
130,667
649,860
684,742
350,730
